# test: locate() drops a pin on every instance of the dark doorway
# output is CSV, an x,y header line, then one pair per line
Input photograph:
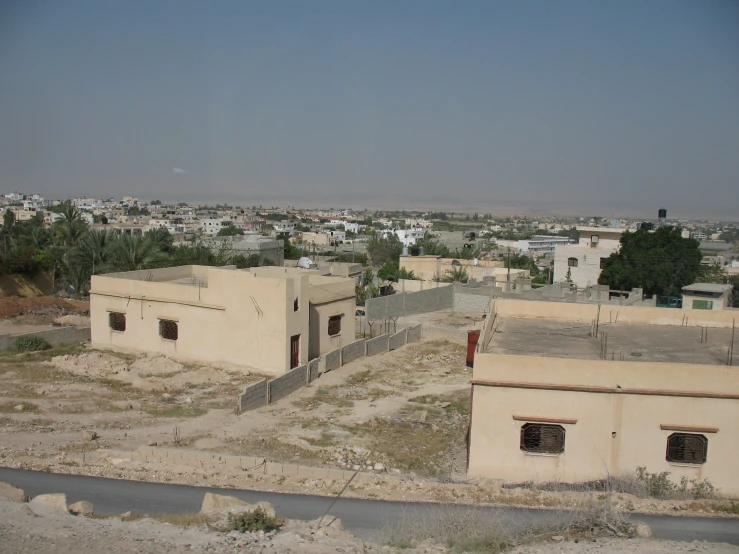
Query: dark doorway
x,y
295,351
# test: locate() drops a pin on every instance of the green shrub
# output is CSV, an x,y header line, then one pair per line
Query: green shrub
x,y
658,485
30,343
253,522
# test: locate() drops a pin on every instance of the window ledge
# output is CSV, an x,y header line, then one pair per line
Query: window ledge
x,y
544,454
116,331
682,464
168,340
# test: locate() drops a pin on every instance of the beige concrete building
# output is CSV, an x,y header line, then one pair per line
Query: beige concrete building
x,y
428,268
577,407
584,261
707,296
268,318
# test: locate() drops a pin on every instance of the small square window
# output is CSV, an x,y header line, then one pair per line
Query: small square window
x,y
686,448
117,321
572,262
334,325
168,329
542,438
603,263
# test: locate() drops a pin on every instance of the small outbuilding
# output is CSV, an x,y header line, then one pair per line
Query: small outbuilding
x,y
707,296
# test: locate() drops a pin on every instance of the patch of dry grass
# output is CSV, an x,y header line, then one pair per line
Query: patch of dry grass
x,y
26,407
182,520
176,411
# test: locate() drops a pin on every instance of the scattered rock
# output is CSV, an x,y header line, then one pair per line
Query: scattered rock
x,y
213,502
642,530
379,467
166,396
10,491
558,538
82,508
58,501
19,408
89,435
125,515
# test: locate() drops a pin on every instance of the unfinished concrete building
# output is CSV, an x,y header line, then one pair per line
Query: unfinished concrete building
x,y
269,318
574,393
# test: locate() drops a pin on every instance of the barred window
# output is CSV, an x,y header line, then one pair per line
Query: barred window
x,y
168,329
117,321
687,448
572,262
334,325
542,438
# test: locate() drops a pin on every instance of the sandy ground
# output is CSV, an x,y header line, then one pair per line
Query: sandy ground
x,y
405,412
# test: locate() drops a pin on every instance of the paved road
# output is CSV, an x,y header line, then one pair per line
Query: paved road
x,y
363,517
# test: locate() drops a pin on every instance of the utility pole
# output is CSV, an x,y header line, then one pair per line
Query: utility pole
x,y
353,240
509,268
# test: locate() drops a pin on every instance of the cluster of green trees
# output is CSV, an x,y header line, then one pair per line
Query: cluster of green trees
x,y
75,252
661,262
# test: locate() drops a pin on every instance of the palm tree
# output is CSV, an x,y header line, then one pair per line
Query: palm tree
x,y
133,252
70,228
458,274
93,251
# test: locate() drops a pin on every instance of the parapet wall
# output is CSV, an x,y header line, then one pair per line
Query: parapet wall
x,y
615,314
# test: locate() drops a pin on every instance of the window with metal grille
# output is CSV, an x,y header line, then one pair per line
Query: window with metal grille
x,y
334,325
572,262
117,321
168,329
603,262
542,438
687,448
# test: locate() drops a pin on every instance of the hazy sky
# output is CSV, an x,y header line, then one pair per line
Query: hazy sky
x,y
611,107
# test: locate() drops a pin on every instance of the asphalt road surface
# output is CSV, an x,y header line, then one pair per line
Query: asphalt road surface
x,y
363,517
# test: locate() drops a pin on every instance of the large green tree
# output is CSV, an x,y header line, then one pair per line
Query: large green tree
x,y
661,262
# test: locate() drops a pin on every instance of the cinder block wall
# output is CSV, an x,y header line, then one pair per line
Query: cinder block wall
x,y
254,396
398,339
288,383
352,351
378,345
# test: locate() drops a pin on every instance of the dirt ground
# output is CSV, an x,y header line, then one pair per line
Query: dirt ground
x,y
39,529
17,313
403,414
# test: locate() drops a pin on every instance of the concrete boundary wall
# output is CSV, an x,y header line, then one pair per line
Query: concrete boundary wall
x,y
254,396
353,351
314,370
378,345
408,303
287,383
414,333
333,360
398,339
616,314
265,392
55,336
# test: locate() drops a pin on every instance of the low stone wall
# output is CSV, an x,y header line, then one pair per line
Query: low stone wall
x,y
55,336
398,339
414,333
352,351
314,370
288,383
254,396
332,360
265,392
378,345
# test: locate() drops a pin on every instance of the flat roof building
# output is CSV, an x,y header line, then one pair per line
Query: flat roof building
x,y
271,319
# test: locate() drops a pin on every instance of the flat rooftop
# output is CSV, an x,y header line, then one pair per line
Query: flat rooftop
x,y
625,341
